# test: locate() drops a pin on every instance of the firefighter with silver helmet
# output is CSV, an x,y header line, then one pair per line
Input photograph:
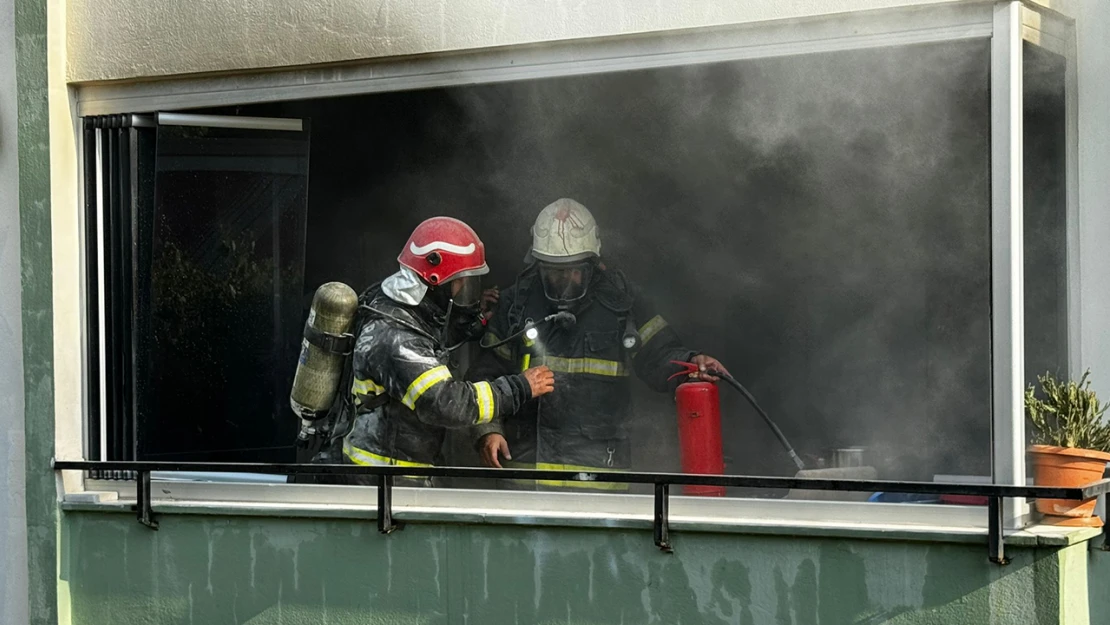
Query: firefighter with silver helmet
x,y
403,394
594,329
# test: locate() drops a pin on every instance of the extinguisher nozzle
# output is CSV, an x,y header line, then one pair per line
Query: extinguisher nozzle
x,y
797,461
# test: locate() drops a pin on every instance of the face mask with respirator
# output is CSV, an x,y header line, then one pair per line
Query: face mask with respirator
x,y
464,321
565,284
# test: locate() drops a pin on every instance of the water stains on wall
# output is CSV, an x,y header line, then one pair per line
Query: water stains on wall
x,y
252,570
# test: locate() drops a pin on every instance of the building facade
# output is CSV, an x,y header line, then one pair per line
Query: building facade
x,y
927,173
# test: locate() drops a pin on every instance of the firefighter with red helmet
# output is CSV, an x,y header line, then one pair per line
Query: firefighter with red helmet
x,y
584,423
404,395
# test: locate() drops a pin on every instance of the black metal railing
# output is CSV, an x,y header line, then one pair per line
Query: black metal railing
x,y
662,482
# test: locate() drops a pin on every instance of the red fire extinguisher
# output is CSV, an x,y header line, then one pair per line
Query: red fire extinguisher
x,y
699,430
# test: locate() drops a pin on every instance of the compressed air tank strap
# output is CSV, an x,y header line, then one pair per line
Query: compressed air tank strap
x,y
335,343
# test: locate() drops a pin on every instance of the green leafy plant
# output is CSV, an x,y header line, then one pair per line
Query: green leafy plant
x,y
1067,414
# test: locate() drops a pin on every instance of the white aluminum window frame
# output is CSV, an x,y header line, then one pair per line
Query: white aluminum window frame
x,y
1007,24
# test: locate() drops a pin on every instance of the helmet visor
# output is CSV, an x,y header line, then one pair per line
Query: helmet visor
x,y
466,290
564,283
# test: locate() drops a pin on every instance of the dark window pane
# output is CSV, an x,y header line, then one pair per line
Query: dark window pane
x,y
225,294
1046,330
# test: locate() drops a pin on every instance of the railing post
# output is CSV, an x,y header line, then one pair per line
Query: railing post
x,y
996,541
142,500
662,525
385,504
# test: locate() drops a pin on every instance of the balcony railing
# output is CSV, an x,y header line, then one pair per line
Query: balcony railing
x,y
662,482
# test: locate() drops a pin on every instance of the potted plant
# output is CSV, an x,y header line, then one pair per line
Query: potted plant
x,y
1071,444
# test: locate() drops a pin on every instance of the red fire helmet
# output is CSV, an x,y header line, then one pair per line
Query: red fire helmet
x,y
442,249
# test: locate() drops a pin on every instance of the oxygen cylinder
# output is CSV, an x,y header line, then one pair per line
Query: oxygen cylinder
x,y
323,350
699,434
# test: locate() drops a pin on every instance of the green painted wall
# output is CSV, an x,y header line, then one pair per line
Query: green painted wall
x,y
38,346
1098,584
265,570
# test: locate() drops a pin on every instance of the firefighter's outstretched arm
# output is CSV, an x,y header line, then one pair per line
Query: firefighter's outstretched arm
x,y
410,371
492,363
439,399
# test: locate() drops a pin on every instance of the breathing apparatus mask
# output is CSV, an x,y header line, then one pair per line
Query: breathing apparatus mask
x,y
565,284
463,320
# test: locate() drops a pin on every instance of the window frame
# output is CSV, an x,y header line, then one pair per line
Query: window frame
x,y
1056,33
1006,23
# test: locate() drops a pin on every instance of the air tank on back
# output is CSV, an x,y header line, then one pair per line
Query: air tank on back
x,y
323,350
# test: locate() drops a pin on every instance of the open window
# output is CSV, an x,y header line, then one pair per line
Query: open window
x,y
825,221
829,217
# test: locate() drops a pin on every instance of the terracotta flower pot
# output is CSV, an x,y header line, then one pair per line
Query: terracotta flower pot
x,y
1069,468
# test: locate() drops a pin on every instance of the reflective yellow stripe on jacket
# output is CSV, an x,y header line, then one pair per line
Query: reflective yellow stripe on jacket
x,y
651,328
483,396
547,466
595,366
422,383
362,388
367,458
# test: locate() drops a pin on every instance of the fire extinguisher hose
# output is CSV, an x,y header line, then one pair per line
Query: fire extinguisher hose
x,y
771,424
